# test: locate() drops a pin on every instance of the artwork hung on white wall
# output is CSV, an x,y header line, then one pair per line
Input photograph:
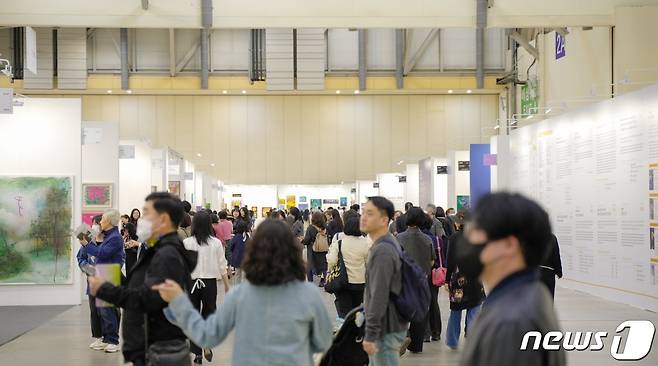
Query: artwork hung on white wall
x,y
96,196
36,216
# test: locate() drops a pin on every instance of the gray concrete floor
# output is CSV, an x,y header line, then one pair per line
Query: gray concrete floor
x,y
64,340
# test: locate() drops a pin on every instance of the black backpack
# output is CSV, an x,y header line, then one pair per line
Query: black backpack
x,y
413,301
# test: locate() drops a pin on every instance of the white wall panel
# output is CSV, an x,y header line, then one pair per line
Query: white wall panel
x,y
43,79
72,58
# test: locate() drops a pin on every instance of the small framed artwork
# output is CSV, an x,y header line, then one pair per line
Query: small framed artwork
x,y
174,187
87,217
96,196
265,211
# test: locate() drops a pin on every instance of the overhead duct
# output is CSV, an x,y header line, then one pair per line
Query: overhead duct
x,y
206,13
399,58
206,22
362,59
481,24
124,58
204,58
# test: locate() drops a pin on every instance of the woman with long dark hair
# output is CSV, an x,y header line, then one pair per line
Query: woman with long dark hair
x,y
297,224
317,246
278,318
334,226
135,214
211,266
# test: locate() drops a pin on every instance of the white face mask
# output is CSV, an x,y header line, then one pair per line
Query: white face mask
x,y
144,229
95,230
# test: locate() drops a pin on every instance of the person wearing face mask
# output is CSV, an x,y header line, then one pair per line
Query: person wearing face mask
x,y
84,260
110,252
144,323
504,243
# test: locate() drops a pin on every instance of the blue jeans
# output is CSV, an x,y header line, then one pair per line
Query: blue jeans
x,y
389,350
110,324
454,324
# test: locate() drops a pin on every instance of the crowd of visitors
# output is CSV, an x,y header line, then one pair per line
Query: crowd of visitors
x,y
387,265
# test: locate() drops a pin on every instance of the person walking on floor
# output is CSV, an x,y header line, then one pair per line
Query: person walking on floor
x,y
437,227
551,267
385,329
354,248
236,247
506,240
110,252
297,226
466,293
334,226
165,258
278,318
317,245
420,248
433,330
85,260
401,221
211,267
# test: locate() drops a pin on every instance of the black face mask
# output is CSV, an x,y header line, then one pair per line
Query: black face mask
x,y
468,257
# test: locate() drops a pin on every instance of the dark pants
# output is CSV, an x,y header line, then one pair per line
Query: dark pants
x,y
348,299
417,334
547,276
95,318
434,328
139,363
110,324
204,299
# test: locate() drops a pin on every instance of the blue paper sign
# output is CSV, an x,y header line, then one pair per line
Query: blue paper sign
x,y
560,50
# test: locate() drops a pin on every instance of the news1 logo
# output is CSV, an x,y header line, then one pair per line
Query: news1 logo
x,y
638,341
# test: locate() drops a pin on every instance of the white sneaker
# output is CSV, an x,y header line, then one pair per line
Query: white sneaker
x,y
100,346
112,348
96,343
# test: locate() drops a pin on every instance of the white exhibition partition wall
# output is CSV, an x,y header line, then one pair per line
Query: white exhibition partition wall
x,y
595,170
459,183
250,195
189,193
134,176
412,185
500,175
43,138
158,170
365,189
439,183
391,188
319,191
100,160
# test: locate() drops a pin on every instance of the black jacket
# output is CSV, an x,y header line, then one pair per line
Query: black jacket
x,y
167,259
551,266
465,292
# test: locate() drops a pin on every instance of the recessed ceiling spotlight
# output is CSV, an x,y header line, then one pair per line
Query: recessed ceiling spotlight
x,y
129,91
357,91
212,164
198,154
109,91
529,117
549,110
450,91
337,91
224,91
496,127
400,162
244,92
469,91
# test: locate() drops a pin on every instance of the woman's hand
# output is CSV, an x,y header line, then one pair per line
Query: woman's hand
x,y
169,290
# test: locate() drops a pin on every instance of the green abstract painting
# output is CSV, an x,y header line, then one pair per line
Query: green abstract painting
x,y
35,230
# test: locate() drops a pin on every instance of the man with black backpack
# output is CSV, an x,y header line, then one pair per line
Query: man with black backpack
x,y
146,331
396,289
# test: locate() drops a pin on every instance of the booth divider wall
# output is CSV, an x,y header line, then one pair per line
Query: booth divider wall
x,y
43,139
134,175
595,170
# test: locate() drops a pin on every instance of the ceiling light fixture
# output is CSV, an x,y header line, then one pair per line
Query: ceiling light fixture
x,y
224,91
244,92
496,127
357,91
529,117
469,91
450,91
198,154
129,91
549,110
400,162
337,91
109,91
212,165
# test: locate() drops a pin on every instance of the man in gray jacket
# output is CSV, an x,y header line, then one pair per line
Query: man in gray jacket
x,y
385,329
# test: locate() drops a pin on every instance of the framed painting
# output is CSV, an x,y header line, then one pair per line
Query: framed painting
x,y
35,230
265,211
87,217
174,187
96,196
